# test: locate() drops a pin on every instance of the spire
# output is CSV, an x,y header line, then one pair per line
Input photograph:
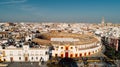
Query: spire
x,y
103,21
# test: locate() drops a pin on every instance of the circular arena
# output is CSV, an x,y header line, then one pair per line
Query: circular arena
x,y
70,44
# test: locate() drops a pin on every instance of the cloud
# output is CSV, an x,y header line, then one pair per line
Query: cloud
x,y
12,2
27,7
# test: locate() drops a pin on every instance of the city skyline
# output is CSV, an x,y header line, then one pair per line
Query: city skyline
x,y
59,11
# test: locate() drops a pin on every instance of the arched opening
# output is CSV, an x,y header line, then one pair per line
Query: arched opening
x,y
31,58
76,55
62,55
46,53
66,54
80,54
84,54
89,53
71,55
41,59
56,55
66,47
11,59
19,58
4,59
36,58
61,47
26,58
71,47
93,52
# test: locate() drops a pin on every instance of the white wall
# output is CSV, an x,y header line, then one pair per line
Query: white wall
x,y
76,50
16,53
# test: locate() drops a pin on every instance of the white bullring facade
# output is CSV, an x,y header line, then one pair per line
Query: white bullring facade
x,y
76,51
73,45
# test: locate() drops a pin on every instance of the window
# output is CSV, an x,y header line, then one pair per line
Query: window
x,y
11,53
32,53
71,47
46,53
36,53
36,58
55,55
19,53
61,47
31,58
19,58
4,59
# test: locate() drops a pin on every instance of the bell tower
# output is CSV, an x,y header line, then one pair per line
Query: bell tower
x,y
103,21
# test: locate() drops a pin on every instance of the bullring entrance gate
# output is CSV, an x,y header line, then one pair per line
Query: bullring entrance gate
x,y
63,51
66,51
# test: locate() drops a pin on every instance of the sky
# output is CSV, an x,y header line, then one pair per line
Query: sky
x,y
90,11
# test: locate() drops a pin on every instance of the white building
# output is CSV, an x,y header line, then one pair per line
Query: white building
x,y
24,54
